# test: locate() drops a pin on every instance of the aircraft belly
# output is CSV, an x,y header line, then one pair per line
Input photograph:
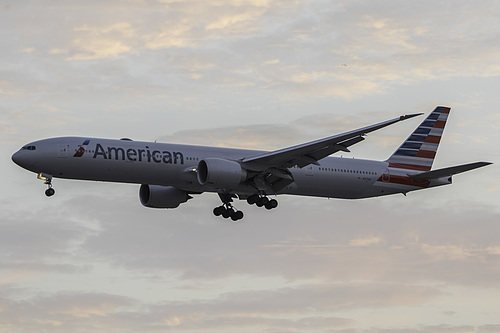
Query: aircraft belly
x,y
117,171
337,178
331,185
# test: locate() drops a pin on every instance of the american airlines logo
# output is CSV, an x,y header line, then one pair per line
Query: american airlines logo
x,y
81,149
131,154
140,155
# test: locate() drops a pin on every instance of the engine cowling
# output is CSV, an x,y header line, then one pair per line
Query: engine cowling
x,y
156,196
220,173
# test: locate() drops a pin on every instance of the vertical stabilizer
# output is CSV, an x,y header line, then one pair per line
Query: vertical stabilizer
x,y
419,150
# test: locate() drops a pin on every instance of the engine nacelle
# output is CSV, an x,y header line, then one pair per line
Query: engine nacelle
x,y
220,173
156,196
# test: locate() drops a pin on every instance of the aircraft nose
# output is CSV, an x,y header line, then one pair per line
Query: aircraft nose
x,y
16,158
23,159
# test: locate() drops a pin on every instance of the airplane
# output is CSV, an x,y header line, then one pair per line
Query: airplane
x,y
170,174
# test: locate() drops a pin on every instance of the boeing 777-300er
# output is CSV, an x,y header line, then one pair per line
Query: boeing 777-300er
x,y
170,174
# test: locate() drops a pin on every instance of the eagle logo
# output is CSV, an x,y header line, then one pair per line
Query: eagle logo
x,y
81,150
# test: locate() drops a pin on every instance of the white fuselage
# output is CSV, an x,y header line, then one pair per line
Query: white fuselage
x,y
176,165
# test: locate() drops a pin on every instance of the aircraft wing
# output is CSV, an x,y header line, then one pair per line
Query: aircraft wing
x,y
439,173
311,152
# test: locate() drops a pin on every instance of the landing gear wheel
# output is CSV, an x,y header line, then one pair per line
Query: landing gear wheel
x,y
226,210
252,199
227,213
273,203
262,201
50,192
238,215
218,210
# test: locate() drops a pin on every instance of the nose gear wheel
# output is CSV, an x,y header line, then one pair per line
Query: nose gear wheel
x,y
48,181
50,191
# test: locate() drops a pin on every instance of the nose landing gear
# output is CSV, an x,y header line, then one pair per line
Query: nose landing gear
x,y
48,181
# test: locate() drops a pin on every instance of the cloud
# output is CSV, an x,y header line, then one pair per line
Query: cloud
x,y
303,307
37,243
264,137
7,130
162,57
366,241
197,246
304,49
63,311
102,42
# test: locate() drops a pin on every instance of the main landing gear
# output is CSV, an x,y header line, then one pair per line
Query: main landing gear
x,y
48,181
262,201
226,210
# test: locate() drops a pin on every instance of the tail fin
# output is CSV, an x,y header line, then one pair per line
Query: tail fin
x,y
419,150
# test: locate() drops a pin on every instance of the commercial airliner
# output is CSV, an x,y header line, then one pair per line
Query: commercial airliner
x,y
170,174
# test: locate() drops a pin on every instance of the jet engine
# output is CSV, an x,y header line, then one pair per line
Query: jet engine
x,y
156,196
220,173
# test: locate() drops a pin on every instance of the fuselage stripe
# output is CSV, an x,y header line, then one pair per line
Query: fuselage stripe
x,y
402,180
409,166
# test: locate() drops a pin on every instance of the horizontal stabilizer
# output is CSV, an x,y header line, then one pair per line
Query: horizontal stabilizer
x,y
439,173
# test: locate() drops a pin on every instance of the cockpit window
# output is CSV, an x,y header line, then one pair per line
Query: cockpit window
x,y
29,148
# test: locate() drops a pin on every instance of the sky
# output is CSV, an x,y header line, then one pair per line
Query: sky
x,y
258,74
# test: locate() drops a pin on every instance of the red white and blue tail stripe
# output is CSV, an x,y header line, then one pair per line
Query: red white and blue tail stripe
x,y
419,150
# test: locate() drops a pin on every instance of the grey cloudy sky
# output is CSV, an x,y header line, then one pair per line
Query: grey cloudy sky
x,y
256,74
